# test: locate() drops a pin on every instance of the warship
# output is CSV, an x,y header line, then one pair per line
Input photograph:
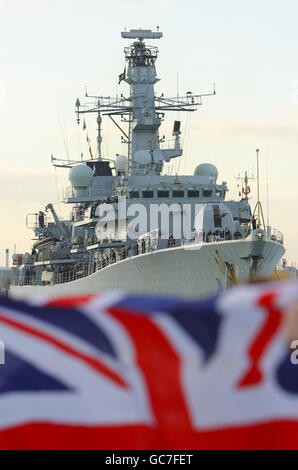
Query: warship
x,y
134,226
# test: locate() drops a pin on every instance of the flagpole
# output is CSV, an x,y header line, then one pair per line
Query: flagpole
x,y
99,135
258,188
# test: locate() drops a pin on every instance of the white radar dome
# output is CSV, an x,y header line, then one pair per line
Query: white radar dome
x,y
142,157
206,169
80,176
121,162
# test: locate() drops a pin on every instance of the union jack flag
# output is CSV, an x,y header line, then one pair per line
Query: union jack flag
x,y
143,372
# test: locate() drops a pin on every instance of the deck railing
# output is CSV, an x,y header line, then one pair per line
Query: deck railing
x,y
143,246
274,234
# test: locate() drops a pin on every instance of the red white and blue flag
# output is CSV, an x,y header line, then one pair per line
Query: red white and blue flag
x,y
136,372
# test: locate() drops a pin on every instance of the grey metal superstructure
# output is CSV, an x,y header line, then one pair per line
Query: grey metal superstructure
x,y
189,240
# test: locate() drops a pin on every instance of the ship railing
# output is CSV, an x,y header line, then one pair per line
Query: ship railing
x,y
215,237
32,221
274,234
168,144
89,268
292,268
142,246
72,274
293,271
128,251
27,281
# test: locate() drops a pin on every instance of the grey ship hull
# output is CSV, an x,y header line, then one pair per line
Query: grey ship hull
x,y
193,270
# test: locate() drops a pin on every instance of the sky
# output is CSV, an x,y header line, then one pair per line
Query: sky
x,y
51,49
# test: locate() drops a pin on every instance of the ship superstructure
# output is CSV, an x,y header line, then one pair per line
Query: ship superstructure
x,y
135,228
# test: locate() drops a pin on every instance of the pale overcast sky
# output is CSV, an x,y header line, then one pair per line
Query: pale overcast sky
x,y
51,49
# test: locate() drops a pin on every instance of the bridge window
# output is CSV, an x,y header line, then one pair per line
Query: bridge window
x,y
178,193
207,193
134,195
148,194
218,193
163,193
193,193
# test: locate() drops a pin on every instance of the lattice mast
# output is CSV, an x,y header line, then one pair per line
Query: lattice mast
x,y
142,110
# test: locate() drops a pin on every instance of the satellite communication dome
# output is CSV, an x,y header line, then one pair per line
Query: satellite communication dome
x,y
206,169
121,162
80,176
142,157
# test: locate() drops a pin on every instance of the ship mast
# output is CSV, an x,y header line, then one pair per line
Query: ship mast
x,y
142,110
141,76
258,207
